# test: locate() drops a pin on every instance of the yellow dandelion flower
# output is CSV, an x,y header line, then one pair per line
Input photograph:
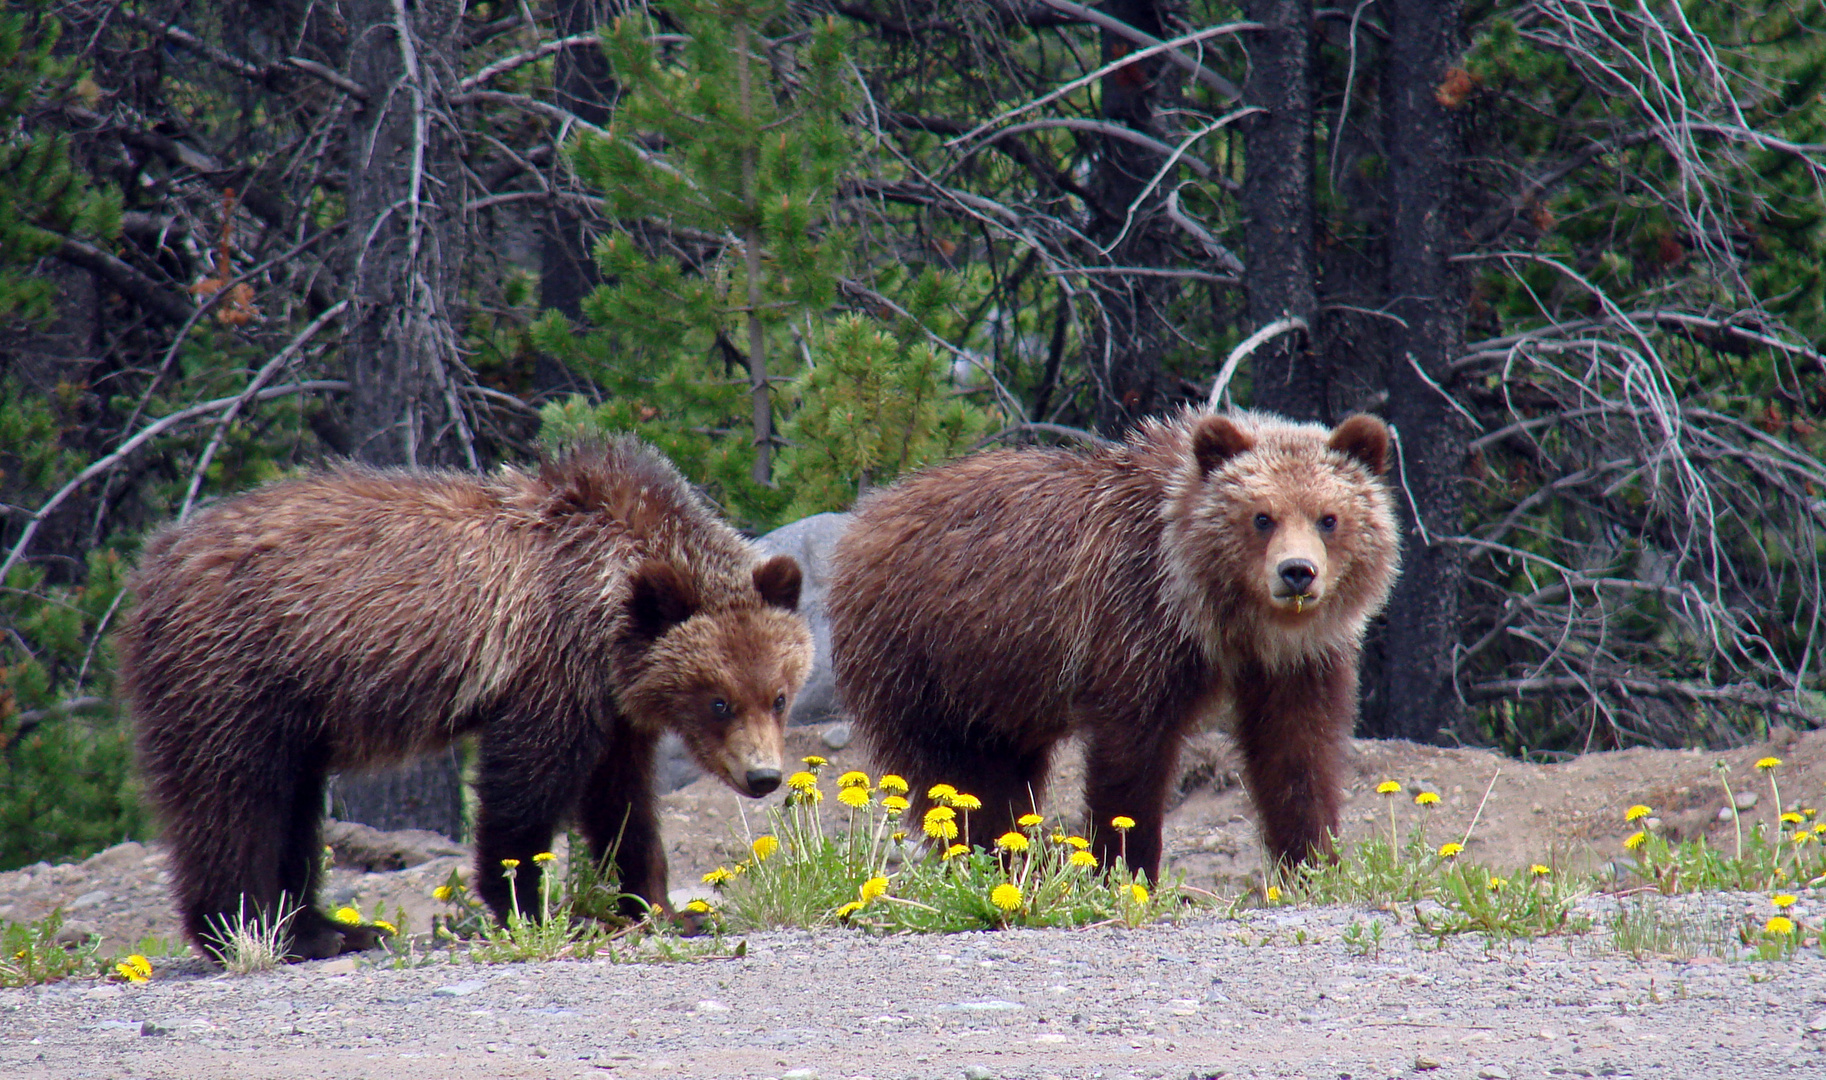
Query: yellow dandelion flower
x,y
1122,823
940,792
898,835
1497,884
1765,764
1539,870
802,781
1011,841
385,927
1273,894
1779,926
1800,838
849,909
1820,828
718,876
966,802
873,888
1006,896
764,846
955,850
1635,840
1078,842
853,778
941,829
814,796
347,916
698,907
1084,859
545,857
1782,901
894,804
941,813
1426,798
854,797
442,894
1636,813
1138,893
135,968
510,863
893,784
1388,787
1809,811
1451,851
814,761
1793,818
1028,821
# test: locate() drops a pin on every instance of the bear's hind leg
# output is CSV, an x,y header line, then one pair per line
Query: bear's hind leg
x,y
314,934
618,814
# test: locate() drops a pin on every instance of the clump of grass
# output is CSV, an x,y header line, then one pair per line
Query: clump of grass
x,y
31,955
875,874
250,942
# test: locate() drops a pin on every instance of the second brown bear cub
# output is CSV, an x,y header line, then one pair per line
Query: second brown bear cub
x,y
566,618
1210,565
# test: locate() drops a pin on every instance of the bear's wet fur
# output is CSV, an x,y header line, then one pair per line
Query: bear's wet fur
x,y
1211,565
359,617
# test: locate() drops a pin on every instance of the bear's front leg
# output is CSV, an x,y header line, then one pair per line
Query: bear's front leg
x,y
520,798
1127,768
619,815
1290,726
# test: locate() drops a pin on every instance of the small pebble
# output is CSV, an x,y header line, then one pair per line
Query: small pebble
x,y
1424,1063
1492,1072
978,1072
799,1074
1746,800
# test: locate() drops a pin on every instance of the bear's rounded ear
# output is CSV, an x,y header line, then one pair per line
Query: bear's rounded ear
x,y
658,599
1365,438
778,580
1216,440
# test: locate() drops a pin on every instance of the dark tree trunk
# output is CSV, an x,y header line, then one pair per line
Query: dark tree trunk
x,y
1127,363
582,85
1411,694
407,407
1281,272
405,191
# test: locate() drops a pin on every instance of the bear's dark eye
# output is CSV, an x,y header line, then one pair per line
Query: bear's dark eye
x,y
719,709
780,704
1328,523
1263,522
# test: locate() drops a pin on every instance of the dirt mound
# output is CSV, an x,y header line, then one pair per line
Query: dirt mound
x,y
1569,815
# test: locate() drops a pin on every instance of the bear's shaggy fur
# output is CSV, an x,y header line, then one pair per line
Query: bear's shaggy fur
x,y
360,617
1211,565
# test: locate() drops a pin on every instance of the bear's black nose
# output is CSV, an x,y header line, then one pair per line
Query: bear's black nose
x,y
762,781
1298,574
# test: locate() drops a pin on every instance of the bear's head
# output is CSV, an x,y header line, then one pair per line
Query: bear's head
x,y
722,678
1283,533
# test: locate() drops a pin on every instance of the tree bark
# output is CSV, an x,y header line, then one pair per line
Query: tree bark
x,y
1411,693
584,86
1281,276
405,407
1128,367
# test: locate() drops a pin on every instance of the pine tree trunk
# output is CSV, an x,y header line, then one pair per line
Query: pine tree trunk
x,y
404,191
1281,275
1127,366
1410,693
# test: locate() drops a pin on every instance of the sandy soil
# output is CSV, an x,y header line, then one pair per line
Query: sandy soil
x,y
1277,993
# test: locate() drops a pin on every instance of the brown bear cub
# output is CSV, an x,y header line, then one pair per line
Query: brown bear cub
x,y
360,617
1211,565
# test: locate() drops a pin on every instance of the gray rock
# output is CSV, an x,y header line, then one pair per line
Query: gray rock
x,y
978,1072
836,737
1746,800
1493,1072
462,989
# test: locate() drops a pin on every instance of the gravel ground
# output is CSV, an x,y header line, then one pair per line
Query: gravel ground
x,y
1275,993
